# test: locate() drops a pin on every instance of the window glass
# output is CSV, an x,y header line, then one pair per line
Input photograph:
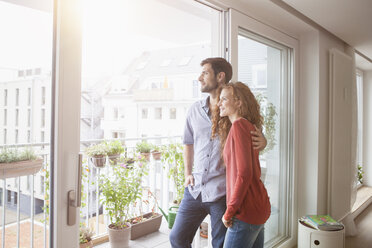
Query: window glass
x,y
141,66
261,65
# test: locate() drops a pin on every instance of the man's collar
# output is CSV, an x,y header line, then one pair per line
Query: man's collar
x,y
205,102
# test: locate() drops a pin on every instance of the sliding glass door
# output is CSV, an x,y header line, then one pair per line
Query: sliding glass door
x,y
266,66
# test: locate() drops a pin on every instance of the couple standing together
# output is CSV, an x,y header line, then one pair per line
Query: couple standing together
x,y
222,140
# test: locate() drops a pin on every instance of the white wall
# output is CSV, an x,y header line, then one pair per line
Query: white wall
x,y
326,42
308,124
367,128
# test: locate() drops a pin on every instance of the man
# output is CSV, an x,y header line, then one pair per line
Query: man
x,y
205,191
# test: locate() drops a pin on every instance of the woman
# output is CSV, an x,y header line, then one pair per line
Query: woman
x,y
248,205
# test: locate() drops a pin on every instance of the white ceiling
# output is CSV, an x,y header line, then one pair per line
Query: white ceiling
x,y
350,20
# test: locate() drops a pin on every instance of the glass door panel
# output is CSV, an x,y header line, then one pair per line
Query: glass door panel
x,y
266,66
25,118
141,63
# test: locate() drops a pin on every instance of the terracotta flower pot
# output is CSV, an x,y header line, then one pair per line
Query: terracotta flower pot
x,y
98,162
146,155
156,155
119,238
87,245
150,225
21,168
114,159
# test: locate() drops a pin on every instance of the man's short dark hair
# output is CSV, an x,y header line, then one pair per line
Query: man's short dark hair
x,y
219,65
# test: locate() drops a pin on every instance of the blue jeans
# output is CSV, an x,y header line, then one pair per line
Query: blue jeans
x,y
244,235
189,217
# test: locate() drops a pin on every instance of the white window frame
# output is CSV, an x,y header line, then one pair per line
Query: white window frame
x,y
238,22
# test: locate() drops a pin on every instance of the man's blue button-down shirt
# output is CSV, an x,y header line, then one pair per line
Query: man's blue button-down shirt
x,y
209,171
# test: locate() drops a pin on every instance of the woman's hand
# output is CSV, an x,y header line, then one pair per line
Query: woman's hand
x,y
258,139
227,223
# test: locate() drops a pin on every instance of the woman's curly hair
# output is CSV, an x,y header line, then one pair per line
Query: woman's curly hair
x,y
249,109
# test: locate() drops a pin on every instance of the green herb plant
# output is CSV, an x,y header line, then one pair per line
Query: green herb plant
x,y
172,155
120,187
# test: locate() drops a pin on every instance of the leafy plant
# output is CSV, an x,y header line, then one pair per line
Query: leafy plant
x,y
141,217
268,112
114,147
11,155
360,174
172,154
120,187
97,150
85,234
143,147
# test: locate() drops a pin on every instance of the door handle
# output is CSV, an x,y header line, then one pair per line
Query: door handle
x,y
74,197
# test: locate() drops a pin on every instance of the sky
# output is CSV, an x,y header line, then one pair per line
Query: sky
x,y
114,33
26,37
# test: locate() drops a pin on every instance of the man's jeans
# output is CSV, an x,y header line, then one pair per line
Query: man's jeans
x,y
244,235
189,217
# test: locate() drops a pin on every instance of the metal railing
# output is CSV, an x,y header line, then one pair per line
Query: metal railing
x,y
92,212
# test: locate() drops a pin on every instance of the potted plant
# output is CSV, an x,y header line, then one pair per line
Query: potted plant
x,y
85,237
14,162
97,154
145,223
155,152
119,187
113,150
172,155
144,149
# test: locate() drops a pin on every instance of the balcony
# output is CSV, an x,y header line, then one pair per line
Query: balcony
x,y
32,192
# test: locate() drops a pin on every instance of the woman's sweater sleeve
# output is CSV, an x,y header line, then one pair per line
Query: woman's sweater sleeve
x,y
242,161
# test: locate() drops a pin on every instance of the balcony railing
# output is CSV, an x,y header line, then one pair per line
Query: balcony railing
x,y
25,199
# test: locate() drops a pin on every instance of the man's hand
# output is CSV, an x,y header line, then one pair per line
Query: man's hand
x,y
258,140
227,223
189,180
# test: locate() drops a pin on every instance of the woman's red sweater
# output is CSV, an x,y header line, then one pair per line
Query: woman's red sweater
x,y
246,195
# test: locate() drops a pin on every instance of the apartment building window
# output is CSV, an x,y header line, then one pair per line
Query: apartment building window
x,y
5,97
16,136
122,113
5,133
28,72
115,113
42,117
29,117
17,97
195,89
43,96
5,117
145,113
42,136
16,197
29,96
9,196
114,135
16,117
158,113
172,113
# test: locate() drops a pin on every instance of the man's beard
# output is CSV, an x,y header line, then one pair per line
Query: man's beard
x,y
208,88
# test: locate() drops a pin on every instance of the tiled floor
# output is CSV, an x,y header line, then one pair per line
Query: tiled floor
x,y
154,240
